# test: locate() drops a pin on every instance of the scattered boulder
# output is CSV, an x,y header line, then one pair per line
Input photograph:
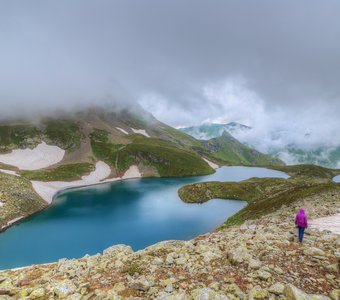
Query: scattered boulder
x,y
111,251
238,255
140,284
258,293
64,288
293,293
207,294
172,296
38,293
254,264
276,288
318,297
263,274
335,294
313,251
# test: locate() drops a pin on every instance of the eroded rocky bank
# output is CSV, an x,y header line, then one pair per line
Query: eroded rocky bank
x,y
260,259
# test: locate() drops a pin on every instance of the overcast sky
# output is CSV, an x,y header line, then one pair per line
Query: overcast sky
x,y
268,64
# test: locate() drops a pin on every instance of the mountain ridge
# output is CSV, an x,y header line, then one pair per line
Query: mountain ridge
x,y
120,139
292,153
101,145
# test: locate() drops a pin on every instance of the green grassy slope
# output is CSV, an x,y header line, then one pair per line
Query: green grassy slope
x,y
94,134
164,156
64,133
18,198
167,158
229,149
67,172
18,136
264,195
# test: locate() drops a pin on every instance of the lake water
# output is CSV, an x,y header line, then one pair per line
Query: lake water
x,y
337,178
138,212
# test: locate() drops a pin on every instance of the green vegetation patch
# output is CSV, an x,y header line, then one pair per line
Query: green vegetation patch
x,y
64,133
168,159
103,149
264,195
18,198
230,150
132,269
18,136
67,172
8,167
308,171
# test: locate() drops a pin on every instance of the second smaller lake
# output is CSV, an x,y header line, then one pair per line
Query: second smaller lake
x,y
337,179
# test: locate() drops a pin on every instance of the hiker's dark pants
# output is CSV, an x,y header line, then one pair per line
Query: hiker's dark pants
x,y
301,233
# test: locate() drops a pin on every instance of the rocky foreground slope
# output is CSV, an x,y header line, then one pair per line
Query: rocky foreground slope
x,y
259,259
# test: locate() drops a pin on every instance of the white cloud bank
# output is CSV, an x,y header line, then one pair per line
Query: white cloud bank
x,y
308,125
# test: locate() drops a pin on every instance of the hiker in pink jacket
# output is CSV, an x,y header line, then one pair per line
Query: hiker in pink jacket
x,y
301,223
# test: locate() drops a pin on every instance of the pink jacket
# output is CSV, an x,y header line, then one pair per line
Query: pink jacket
x,y
301,219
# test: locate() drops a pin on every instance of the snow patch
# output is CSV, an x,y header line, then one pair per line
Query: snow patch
x,y
331,223
9,172
14,220
9,223
132,172
122,130
211,164
47,190
101,172
40,157
140,131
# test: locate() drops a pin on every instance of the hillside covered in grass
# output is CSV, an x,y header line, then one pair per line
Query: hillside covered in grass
x,y
265,195
121,138
227,148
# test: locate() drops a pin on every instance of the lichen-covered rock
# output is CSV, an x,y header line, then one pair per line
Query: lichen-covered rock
x,y
293,293
38,293
7,287
6,297
238,255
254,264
140,285
172,296
318,297
64,288
112,251
258,293
75,296
112,295
335,294
313,251
276,288
263,274
118,287
207,294
333,268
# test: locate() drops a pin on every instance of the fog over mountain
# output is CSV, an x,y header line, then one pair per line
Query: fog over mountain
x,y
271,65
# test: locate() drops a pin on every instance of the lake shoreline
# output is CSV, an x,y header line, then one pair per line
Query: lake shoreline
x,y
224,254
23,218
146,187
107,181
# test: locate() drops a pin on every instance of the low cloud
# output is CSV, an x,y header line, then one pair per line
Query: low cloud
x,y
273,127
273,65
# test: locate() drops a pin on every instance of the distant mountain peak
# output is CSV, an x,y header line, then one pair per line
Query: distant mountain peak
x,y
208,131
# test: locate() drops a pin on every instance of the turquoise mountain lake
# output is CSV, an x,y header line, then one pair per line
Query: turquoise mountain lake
x,y
137,212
